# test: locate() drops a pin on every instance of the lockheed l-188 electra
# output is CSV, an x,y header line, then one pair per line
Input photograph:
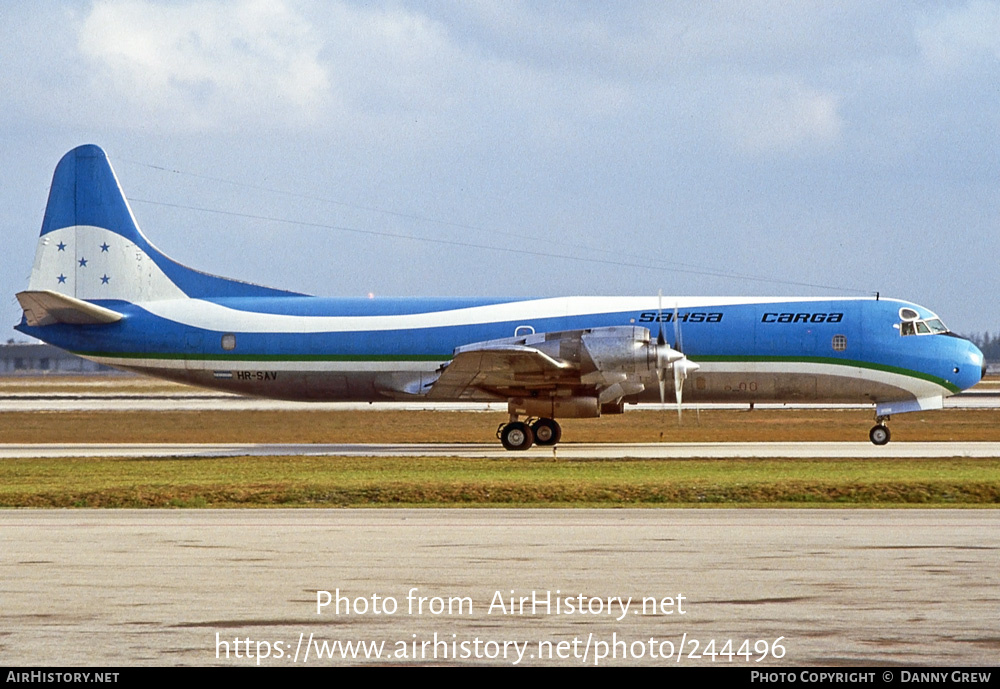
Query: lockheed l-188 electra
x,y
100,289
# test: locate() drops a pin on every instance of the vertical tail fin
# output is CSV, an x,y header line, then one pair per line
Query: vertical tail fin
x,y
91,247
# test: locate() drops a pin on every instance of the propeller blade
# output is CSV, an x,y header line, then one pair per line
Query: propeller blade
x,y
679,376
661,341
679,373
660,338
678,345
682,367
678,390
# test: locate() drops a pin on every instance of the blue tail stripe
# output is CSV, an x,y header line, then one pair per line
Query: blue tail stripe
x,y
85,191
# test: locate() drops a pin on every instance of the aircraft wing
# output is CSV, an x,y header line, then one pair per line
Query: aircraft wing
x,y
491,366
603,364
45,307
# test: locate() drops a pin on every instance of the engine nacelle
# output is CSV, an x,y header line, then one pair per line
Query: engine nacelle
x,y
627,350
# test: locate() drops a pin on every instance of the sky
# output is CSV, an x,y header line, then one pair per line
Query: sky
x,y
516,148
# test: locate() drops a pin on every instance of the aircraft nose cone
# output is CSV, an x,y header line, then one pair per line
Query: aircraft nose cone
x,y
969,365
977,359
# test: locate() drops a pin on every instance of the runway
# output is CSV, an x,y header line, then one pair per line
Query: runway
x,y
586,451
801,587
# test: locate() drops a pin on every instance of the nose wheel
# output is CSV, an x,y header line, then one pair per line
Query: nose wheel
x,y
879,434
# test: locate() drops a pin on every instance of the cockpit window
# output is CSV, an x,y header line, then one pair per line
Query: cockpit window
x,y
912,325
936,325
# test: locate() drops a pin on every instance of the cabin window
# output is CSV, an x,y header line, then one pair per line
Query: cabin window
x,y
229,342
839,343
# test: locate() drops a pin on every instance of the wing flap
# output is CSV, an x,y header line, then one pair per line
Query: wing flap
x,y
497,365
45,307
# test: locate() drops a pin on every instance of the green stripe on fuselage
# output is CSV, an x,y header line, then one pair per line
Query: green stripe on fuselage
x,y
831,361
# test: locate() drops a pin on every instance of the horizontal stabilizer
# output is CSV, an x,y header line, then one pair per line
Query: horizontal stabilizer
x,y
45,307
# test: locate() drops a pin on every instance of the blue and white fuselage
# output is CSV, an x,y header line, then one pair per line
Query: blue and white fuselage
x,y
99,289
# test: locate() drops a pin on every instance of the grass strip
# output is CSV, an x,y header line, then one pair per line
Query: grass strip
x,y
430,481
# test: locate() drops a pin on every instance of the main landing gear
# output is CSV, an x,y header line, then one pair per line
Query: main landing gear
x,y
879,434
520,435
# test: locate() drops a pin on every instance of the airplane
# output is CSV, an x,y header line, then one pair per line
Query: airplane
x,y
101,290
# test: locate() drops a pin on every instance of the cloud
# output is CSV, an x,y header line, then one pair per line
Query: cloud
x,y
205,65
781,114
952,40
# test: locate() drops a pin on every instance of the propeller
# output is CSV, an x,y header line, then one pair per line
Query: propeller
x,y
661,342
683,366
671,358
665,355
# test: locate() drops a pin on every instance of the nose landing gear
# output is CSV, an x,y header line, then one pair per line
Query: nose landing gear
x,y
879,434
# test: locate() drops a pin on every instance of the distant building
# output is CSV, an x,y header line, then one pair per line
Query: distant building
x,y
22,359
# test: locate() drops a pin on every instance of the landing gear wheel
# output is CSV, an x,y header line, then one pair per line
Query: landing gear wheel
x,y
879,434
516,436
547,431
